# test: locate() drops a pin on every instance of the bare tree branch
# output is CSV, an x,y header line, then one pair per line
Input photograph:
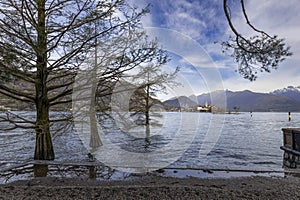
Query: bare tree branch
x,y
259,53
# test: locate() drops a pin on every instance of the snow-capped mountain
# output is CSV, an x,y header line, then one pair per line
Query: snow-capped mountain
x,y
290,91
282,100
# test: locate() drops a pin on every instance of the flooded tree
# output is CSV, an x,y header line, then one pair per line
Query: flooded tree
x,y
151,79
43,44
260,52
124,52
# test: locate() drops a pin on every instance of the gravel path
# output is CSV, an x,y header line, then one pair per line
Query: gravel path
x,y
154,188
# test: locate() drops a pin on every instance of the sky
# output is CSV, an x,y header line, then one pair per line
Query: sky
x,y
189,30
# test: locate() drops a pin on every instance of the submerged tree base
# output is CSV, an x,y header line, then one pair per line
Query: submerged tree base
x,y
40,170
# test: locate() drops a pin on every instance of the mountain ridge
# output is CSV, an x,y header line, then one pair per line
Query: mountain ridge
x,y
281,100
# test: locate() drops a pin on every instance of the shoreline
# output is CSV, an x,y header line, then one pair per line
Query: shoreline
x,y
154,187
168,183
96,171
62,181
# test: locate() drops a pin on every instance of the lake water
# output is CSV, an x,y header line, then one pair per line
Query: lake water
x,y
231,141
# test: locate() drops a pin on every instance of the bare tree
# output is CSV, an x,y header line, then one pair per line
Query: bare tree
x,y
258,53
108,66
43,43
151,78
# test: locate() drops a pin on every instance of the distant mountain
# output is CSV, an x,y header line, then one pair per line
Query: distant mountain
x,y
284,100
260,102
180,102
291,92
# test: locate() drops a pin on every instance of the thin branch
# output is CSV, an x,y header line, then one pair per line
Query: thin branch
x,y
248,21
16,94
60,95
61,102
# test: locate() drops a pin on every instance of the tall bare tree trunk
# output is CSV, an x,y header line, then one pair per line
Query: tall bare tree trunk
x,y
95,140
147,106
147,112
43,148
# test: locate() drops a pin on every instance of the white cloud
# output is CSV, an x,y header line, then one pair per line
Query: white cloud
x,y
266,82
199,60
206,23
275,17
190,18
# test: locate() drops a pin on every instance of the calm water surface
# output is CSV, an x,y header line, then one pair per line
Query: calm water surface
x,y
244,142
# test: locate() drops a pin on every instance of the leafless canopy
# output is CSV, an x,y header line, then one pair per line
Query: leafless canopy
x,y
66,37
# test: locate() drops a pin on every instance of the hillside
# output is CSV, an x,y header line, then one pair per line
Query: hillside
x,y
284,100
290,91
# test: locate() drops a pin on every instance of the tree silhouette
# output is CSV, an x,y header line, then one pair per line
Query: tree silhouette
x,y
43,44
258,53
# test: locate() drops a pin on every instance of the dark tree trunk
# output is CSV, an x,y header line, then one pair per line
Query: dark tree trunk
x,y
40,170
43,148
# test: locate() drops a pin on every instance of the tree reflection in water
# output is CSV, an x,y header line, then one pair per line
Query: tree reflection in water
x,y
94,170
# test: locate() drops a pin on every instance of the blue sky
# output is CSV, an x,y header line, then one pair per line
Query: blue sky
x,y
203,21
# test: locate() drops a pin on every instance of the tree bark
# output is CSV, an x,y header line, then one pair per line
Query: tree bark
x,y
147,110
95,140
43,148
